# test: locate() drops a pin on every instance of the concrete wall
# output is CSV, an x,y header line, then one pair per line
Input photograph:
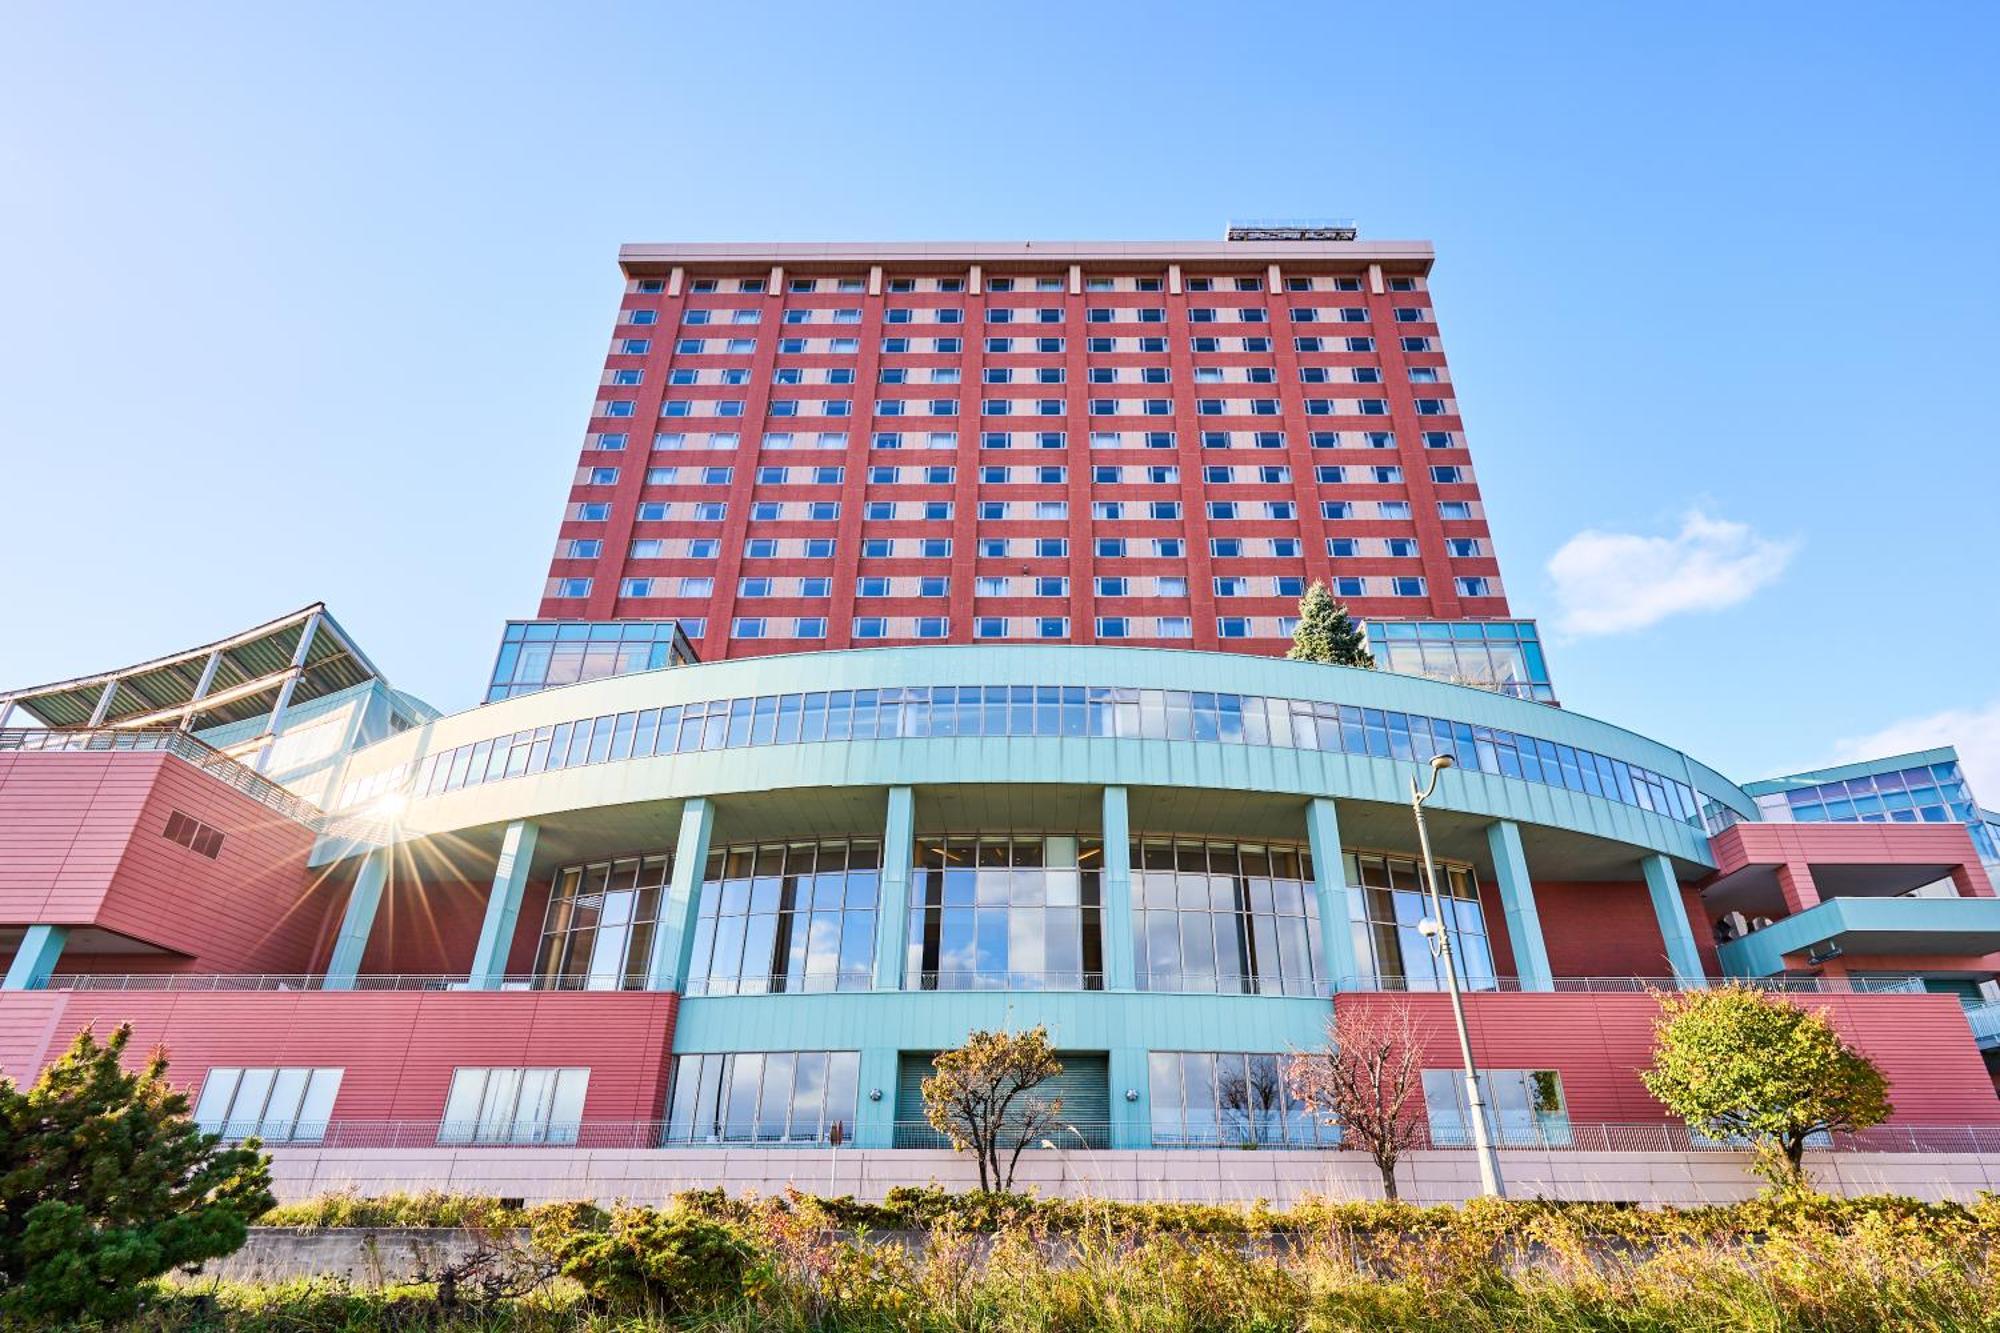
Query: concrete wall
x,y
649,1175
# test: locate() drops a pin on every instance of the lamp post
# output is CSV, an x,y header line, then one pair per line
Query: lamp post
x,y
1440,936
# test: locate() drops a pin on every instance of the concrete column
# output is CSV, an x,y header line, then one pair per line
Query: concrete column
x,y
1671,910
892,900
358,922
503,906
1131,1121
1120,970
1796,887
35,961
673,938
875,1117
1517,900
1330,890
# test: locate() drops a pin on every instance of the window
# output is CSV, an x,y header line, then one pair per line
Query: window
x,y
1007,911
598,931
1108,547
989,627
1230,1098
1233,627
1454,509
641,587
622,407
1406,586
1524,1107
275,1105
642,317
870,627
1111,627
697,587
514,1106
789,917
1111,587
1474,586
572,588
1388,892
763,1097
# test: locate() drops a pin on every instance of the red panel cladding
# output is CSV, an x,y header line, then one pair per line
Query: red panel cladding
x,y
1609,930
398,1048
1599,1042
82,843
425,928
1748,844
28,1023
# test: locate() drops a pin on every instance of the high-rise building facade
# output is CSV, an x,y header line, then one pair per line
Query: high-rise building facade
x,y
810,446
907,667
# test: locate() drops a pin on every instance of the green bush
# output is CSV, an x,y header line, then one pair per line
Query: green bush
x,y
674,1261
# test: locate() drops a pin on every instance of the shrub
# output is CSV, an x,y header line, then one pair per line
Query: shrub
x,y
106,1183
676,1261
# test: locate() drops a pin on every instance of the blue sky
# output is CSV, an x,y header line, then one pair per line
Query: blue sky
x,y
308,301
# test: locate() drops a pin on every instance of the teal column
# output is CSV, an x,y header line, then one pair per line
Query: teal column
x,y
35,961
1120,972
1336,933
503,906
892,900
358,921
1517,899
875,1117
1671,909
673,938
1131,1119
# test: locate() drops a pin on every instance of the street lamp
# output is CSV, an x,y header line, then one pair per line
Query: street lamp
x,y
1439,934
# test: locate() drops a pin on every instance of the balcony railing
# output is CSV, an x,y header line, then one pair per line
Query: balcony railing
x,y
178,744
1096,1135
964,981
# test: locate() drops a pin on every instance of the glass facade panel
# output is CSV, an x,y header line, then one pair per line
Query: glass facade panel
x,y
514,1106
536,654
1224,917
787,917
917,711
1524,1107
598,933
1386,901
1006,911
1203,1099
782,1097
276,1105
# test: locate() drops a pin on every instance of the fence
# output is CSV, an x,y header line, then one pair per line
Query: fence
x,y
1092,1136
178,744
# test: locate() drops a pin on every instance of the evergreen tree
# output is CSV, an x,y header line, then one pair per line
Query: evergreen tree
x,y
106,1184
1326,633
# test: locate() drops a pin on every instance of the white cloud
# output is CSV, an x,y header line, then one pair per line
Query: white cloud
x,y
1616,582
1974,731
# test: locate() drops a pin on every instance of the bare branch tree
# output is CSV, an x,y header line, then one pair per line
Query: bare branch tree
x,y
1368,1079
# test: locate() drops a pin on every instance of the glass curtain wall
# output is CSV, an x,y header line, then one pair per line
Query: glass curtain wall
x,y
598,932
1006,911
1386,900
791,1097
1229,1098
787,917
1233,918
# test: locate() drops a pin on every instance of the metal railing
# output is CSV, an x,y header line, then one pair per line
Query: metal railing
x,y
1985,1021
828,983
1632,985
178,744
1096,1136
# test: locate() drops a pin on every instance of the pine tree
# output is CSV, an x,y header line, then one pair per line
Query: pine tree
x,y
1326,633
106,1184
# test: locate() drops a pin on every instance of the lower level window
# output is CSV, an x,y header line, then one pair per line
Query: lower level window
x,y
1204,1098
763,1097
1524,1107
276,1105
514,1106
